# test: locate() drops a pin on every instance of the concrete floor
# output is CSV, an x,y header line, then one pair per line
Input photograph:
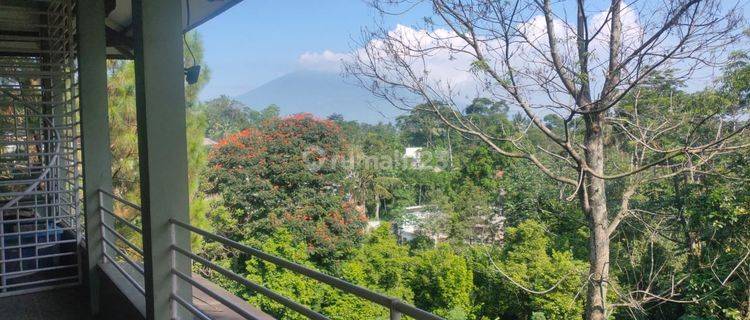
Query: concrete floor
x,y
62,304
71,304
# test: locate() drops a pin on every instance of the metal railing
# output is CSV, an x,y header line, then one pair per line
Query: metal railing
x,y
39,177
129,256
396,307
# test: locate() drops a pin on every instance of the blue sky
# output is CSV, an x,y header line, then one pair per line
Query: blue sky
x,y
259,40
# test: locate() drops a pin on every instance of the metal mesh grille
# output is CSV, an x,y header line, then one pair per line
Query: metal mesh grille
x,y
39,179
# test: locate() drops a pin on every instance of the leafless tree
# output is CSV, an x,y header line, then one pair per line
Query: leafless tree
x,y
580,67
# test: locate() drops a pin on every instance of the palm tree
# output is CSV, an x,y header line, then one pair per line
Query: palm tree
x,y
369,184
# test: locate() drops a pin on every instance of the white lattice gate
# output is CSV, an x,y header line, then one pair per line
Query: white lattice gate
x,y
39,180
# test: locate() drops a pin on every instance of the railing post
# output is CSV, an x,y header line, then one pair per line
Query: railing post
x,y
103,219
395,314
172,265
95,149
162,148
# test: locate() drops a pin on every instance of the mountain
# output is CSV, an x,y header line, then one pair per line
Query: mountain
x,y
322,94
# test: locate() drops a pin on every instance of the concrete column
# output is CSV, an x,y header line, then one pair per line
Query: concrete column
x,y
97,158
162,147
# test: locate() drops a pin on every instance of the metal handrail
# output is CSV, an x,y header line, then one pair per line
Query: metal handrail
x,y
396,306
125,274
123,239
123,220
120,199
119,252
231,305
125,257
190,307
253,286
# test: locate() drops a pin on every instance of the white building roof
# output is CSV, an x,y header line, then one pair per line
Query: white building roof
x,y
412,152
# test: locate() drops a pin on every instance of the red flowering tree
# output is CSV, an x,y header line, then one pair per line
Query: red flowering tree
x,y
286,173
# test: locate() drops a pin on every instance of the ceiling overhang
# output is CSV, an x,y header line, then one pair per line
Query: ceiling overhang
x,y
120,21
119,18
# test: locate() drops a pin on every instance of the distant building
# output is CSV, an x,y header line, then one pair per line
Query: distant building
x,y
414,156
416,220
423,220
489,229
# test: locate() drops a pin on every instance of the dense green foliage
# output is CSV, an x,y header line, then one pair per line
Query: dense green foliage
x,y
124,137
304,189
264,177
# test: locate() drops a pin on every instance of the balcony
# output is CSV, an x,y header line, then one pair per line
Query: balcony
x,y
64,252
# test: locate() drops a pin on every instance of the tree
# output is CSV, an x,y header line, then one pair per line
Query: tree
x,y
287,173
306,291
442,283
380,264
224,116
527,264
582,71
124,138
372,186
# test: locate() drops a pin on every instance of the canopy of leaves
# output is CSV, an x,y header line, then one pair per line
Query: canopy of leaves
x,y
286,173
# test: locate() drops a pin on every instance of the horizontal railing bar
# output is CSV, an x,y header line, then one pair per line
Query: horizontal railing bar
x,y
45,115
54,104
120,199
121,219
37,141
364,293
21,233
26,284
214,295
64,53
123,239
36,64
190,307
34,91
9,70
9,222
125,274
9,128
37,244
41,269
11,182
25,157
253,286
37,168
25,11
31,193
124,256
53,255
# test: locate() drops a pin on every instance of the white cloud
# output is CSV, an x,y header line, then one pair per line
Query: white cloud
x,y
327,60
442,63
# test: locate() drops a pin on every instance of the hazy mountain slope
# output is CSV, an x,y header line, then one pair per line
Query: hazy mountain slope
x,y
322,94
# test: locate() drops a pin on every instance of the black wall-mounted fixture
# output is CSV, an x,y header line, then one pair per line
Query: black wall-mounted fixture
x,y
192,74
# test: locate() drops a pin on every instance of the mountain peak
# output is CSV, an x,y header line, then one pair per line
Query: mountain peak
x,y
322,94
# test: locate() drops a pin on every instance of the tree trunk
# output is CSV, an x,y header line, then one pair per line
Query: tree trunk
x,y
377,208
594,204
450,151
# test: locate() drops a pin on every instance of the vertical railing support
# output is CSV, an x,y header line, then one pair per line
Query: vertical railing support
x,y
95,149
102,202
395,314
162,148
